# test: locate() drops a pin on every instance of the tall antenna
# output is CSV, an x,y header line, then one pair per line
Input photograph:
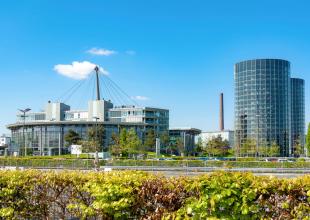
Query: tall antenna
x,y
98,84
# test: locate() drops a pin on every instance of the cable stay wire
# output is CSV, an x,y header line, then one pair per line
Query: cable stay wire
x,y
108,88
110,92
69,95
83,95
101,89
104,90
62,96
68,98
93,92
120,89
120,97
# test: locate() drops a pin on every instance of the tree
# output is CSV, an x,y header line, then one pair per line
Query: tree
x,y
263,150
297,149
123,142
95,137
96,134
72,137
180,146
199,145
216,146
248,148
150,140
274,150
123,137
134,145
89,146
126,143
164,140
308,141
115,145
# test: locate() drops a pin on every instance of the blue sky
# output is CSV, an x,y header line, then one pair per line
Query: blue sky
x,y
182,52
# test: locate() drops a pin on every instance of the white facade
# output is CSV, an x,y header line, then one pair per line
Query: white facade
x,y
76,115
127,114
98,109
103,111
55,111
226,135
5,141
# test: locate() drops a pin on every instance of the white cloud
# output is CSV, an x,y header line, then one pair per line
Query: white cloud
x,y
101,51
140,98
131,52
77,70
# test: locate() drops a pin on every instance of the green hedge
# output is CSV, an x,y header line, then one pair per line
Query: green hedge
x,y
47,163
89,163
138,195
200,163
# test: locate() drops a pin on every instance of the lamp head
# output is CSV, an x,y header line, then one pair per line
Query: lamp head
x,y
24,110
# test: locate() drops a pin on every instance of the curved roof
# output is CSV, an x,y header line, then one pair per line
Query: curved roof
x,y
242,61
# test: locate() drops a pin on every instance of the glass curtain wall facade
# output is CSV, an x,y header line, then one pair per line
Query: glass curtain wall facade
x,y
262,104
48,139
298,111
186,136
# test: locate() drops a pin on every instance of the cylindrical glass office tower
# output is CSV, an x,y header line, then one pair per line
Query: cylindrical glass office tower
x,y
297,112
262,104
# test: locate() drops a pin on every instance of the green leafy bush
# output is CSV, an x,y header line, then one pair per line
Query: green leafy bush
x,y
160,196
137,195
223,195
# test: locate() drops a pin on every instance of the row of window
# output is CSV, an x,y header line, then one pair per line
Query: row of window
x,y
262,64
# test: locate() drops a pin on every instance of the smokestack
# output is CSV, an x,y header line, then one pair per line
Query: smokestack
x,y
222,112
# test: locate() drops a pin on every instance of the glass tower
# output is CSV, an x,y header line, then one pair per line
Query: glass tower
x,y
298,111
262,104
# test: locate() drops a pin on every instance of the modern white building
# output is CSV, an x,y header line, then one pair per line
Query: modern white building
x,y
228,135
5,141
43,132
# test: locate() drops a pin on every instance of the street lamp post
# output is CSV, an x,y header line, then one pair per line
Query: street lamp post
x,y
24,111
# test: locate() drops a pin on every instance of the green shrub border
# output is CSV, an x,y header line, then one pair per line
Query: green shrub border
x,y
89,163
34,194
